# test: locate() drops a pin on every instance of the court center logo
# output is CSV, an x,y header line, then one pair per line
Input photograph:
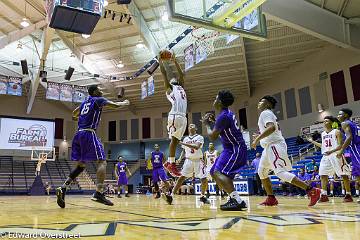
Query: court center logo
x,y
34,136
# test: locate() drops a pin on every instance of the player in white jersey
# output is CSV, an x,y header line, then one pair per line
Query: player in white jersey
x,y
330,164
210,156
177,120
274,156
194,163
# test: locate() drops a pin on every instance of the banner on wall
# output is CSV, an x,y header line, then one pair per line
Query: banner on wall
x,y
151,86
14,86
241,186
53,91
3,84
24,134
66,92
312,128
144,90
189,57
201,53
79,94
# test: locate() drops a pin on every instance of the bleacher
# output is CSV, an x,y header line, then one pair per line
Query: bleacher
x,y
16,177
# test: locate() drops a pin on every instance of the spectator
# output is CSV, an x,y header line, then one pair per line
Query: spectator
x,y
315,179
299,140
258,190
303,176
310,166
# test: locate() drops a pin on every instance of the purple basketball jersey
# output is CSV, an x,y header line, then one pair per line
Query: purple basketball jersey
x,y
233,158
230,134
90,112
121,172
121,169
355,147
157,159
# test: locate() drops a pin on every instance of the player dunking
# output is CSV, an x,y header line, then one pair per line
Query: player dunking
x,y
158,173
331,142
194,163
86,146
234,155
177,121
352,141
120,173
274,156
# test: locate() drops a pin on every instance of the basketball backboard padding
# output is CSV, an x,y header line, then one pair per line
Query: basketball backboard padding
x,y
200,13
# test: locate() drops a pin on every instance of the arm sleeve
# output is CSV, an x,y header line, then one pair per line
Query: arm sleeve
x,y
101,102
221,123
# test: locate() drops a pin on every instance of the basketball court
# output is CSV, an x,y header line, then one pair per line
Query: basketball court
x,y
304,53
143,218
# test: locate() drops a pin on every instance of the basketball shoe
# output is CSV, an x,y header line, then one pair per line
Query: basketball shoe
x,y
314,195
172,169
60,196
100,198
233,205
270,201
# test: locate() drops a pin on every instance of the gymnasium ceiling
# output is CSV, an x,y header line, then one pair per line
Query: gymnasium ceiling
x,y
240,66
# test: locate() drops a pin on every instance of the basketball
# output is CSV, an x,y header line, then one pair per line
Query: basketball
x,y
202,119
165,55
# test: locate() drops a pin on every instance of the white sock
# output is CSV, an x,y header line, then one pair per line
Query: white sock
x,y
323,192
343,191
357,192
236,196
331,191
126,192
171,159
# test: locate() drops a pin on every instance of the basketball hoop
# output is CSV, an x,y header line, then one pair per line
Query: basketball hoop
x,y
204,39
42,153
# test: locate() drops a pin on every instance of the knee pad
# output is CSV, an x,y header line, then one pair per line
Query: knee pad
x,y
263,173
285,176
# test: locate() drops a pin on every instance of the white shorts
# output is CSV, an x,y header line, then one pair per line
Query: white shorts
x,y
331,164
274,157
208,175
176,126
191,167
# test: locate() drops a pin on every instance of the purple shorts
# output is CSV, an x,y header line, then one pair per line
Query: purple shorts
x,y
230,161
86,147
159,174
122,180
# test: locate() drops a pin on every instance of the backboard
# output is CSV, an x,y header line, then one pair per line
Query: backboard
x,y
236,17
43,153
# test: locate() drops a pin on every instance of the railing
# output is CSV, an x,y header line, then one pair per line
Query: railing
x,y
306,149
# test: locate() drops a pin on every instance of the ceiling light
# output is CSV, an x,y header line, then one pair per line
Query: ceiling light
x,y
120,64
25,23
86,36
165,17
106,3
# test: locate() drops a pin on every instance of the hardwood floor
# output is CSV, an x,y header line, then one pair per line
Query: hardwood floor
x,y
142,217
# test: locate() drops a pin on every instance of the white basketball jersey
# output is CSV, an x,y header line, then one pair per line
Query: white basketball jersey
x,y
328,141
267,116
210,158
178,100
190,153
